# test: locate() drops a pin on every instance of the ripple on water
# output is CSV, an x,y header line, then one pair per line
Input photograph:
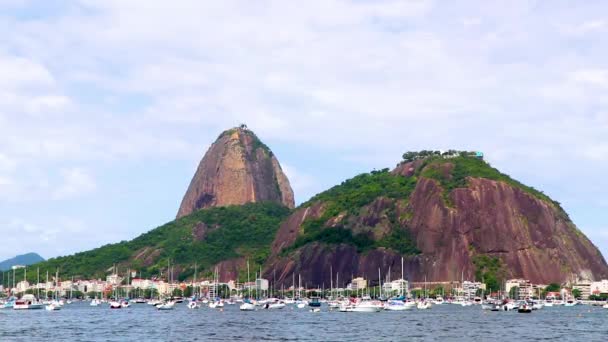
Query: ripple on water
x,y
80,322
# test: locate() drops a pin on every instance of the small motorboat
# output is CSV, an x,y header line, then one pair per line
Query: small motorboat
x,y
247,306
315,302
53,307
366,306
397,305
115,305
276,305
28,302
524,308
438,300
193,305
166,306
605,306
315,310
423,305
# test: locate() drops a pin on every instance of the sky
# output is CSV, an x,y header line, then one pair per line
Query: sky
x,y
107,106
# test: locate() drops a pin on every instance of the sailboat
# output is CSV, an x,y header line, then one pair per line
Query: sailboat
x,y
247,304
424,304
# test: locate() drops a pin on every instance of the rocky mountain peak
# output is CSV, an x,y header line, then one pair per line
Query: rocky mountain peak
x,y
238,168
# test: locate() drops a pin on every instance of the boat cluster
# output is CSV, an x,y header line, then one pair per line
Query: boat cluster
x,y
30,302
362,304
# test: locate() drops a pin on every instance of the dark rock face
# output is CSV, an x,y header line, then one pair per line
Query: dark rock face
x,y
531,237
237,169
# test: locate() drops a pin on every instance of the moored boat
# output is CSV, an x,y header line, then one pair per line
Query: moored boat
x,y
367,306
28,302
115,305
524,308
397,305
247,306
53,307
423,305
166,306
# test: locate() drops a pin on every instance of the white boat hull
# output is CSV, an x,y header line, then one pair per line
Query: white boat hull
x,y
53,307
365,309
247,307
28,306
397,308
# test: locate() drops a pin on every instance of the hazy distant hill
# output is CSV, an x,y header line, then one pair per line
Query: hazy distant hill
x,y
25,259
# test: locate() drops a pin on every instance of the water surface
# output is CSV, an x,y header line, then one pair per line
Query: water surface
x,y
142,322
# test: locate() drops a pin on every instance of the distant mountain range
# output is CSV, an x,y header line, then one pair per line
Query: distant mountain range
x,y
25,259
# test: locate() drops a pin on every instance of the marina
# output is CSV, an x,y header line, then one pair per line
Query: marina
x,y
80,321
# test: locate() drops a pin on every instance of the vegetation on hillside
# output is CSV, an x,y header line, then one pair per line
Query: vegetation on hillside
x,y
234,231
349,198
353,194
490,271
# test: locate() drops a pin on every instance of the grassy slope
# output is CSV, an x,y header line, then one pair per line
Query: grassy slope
x,y
244,230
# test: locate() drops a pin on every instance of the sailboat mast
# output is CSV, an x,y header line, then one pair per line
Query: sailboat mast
x,y
331,281
379,282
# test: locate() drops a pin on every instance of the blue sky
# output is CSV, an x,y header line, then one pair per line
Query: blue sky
x,y
106,107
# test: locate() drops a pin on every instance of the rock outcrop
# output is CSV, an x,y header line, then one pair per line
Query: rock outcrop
x,y
237,169
529,234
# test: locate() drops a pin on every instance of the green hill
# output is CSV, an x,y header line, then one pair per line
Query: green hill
x,y
205,237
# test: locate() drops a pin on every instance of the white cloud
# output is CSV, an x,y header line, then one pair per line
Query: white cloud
x,y
596,77
363,81
304,185
20,72
76,182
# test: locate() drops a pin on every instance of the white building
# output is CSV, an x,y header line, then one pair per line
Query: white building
x,y
469,288
261,284
22,286
584,287
143,284
399,286
114,279
599,287
358,283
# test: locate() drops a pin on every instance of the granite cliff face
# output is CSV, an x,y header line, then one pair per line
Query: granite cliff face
x,y
237,169
446,217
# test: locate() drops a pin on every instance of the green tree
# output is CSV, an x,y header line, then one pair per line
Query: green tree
x,y
576,293
514,292
553,287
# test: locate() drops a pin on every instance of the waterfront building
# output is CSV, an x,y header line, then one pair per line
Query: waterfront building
x,y
356,284
22,286
114,279
399,286
599,287
261,284
584,286
470,288
142,284
525,288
